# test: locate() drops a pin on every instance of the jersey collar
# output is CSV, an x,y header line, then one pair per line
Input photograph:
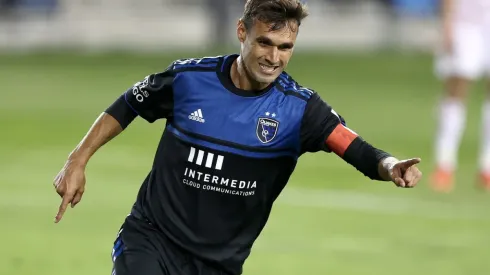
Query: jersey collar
x,y
224,75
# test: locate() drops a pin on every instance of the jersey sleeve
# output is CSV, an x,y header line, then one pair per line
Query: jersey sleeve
x,y
319,122
152,97
325,130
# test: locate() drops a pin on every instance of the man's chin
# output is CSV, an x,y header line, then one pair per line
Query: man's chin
x,y
265,79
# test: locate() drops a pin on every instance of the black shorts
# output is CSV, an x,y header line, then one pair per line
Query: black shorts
x,y
141,250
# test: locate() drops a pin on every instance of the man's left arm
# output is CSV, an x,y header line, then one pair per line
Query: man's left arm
x,y
325,130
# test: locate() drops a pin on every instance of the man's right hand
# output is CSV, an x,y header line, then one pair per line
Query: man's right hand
x,y
70,185
70,181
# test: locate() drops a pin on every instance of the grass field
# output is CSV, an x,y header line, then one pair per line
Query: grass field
x,y
329,220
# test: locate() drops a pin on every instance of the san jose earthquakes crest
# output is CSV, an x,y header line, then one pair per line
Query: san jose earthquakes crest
x,y
266,129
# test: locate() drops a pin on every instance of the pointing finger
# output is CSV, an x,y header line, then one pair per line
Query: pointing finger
x,y
411,162
64,203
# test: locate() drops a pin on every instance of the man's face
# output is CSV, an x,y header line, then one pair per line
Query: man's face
x,y
266,53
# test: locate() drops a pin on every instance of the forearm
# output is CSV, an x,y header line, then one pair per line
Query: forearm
x,y
370,161
107,126
103,130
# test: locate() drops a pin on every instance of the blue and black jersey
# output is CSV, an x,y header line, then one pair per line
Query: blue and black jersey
x,y
226,154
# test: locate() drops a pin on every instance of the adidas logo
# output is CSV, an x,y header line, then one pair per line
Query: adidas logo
x,y
197,116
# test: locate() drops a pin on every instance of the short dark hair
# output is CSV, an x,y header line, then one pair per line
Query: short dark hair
x,y
277,13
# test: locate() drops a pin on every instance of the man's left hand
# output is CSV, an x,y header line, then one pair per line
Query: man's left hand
x,y
405,174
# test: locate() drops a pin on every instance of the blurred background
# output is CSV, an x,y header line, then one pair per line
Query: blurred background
x,y
189,24
62,62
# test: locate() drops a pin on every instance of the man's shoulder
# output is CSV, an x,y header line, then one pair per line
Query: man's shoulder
x,y
206,63
289,86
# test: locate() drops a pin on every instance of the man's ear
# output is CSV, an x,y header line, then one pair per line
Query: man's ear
x,y
241,31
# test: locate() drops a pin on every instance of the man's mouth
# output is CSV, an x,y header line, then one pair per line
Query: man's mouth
x,y
267,69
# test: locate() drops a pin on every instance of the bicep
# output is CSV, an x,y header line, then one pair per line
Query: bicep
x,y
121,111
319,122
340,139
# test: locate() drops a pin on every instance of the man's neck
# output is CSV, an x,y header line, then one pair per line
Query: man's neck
x,y
241,79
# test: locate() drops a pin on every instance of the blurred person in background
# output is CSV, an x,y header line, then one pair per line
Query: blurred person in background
x,y
464,57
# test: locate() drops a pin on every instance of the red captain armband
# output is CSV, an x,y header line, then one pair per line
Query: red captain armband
x,y
340,139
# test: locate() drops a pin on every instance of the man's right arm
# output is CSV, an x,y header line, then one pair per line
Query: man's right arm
x,y
151,99
70,181
105,128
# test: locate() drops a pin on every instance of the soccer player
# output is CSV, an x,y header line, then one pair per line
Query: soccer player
x,y
465,56
235,128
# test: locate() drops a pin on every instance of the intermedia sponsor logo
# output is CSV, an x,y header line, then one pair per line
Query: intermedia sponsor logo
x,y
199,159
209,181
